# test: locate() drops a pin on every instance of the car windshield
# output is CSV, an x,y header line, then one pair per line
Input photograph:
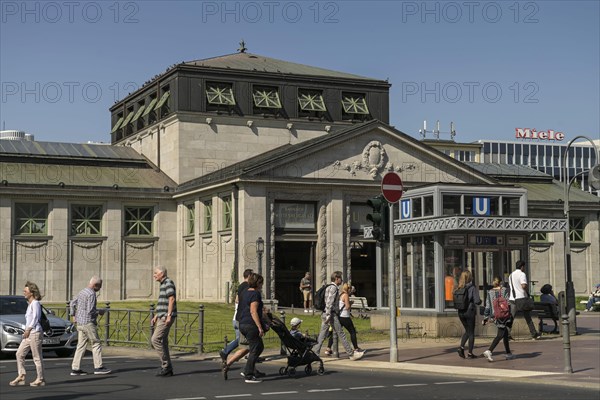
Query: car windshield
x,y
13,306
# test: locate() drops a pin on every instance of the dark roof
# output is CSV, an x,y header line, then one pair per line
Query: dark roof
x,y
254,62
512,172
67,150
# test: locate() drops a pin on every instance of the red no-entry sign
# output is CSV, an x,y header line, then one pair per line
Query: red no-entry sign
x,y
391,187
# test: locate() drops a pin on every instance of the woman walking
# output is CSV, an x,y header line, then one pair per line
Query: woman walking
x,y
32,337
497,309
468,315
345,319
251,324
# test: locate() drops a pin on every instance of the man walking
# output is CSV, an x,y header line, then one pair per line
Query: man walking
x,y
83,310
518,290
330,316
164,316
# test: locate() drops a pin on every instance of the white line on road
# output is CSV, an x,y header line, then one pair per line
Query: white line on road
x,y
324,390
189,398
487,380
271,393
366,387
411,384
233,395
448,383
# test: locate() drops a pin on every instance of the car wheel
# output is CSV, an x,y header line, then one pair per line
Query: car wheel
x,y
63,353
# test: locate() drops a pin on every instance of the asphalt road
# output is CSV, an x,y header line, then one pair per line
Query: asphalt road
x,y
133,378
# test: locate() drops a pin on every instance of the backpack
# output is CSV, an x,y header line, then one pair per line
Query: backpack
x,y
45,323
319,302
501,308
460,298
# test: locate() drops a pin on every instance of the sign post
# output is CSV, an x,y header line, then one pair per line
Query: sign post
x,y
391,188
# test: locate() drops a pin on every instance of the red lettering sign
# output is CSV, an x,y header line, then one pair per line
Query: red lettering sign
x,y
527,133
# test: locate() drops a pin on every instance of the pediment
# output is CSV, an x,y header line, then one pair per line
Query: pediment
x,y
366,155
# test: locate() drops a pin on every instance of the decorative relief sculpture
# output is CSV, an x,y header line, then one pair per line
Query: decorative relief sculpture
x,y
374,161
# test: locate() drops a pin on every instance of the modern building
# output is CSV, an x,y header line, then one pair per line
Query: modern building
x,y
213,156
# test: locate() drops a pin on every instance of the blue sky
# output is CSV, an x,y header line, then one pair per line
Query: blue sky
x,y
488,66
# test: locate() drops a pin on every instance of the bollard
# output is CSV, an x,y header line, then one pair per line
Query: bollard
x,y
566,334
151,325
107,323
68,311
282,350
335,347
201,328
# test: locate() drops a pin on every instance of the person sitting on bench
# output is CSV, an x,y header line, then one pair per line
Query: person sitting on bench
x,y
594,298
548,297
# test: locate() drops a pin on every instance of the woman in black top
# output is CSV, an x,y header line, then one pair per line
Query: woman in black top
x,y
251,325
468,316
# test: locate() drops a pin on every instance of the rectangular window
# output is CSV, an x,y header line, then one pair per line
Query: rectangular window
x,y
127,126
406,249
163,106
138,114
354,106
510,206
576,228
451,205
430,288
266,97
220,94
190,211
416,208
227,213
538,237
208,216
118,124
138,221
311,103
149,111
31,219
427,206
86,220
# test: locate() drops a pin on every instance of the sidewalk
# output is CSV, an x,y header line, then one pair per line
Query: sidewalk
x,y
537,361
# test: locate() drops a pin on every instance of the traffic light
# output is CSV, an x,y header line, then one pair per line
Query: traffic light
x,y
379,217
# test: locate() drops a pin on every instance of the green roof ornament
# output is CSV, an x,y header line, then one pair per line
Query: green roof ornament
x,y
242,48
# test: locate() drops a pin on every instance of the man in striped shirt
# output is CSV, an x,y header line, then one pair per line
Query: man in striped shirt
x,y
164,316
83,309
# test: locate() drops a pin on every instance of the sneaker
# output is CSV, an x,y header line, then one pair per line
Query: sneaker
x,y
470,355
461,352
252,379
328,352
77,372
305,310
488,354
510,356
102,371
357,355
257,374
537,336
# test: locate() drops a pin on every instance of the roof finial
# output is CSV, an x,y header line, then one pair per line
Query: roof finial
x,y
242,48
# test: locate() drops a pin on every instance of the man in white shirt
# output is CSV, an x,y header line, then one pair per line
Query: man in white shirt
x,y
518,290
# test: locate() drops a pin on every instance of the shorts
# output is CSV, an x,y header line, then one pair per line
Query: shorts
x,y
307,295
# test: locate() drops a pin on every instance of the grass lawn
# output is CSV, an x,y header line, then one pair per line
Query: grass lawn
x,y
133,328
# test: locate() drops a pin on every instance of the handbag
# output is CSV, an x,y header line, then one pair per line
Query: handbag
x,y
524,303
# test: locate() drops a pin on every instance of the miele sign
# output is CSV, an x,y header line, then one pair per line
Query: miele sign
x,y
526,133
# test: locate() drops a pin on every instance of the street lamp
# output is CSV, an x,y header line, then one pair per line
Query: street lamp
x,y
569,320
260,250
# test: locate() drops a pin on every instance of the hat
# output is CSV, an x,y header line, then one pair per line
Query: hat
x,y
546,289
295,321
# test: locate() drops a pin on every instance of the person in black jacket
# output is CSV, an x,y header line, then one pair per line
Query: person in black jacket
x,y
468,316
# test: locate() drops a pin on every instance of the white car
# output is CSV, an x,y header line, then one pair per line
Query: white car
x,y
62,339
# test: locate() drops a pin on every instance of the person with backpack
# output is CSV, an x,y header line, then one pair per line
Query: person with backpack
x,y
328,298
466,300
32,338
497,309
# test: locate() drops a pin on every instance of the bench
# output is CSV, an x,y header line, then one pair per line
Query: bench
x,y
360,304
546,311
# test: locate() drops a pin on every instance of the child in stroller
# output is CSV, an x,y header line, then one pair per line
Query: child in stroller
x,y
298,348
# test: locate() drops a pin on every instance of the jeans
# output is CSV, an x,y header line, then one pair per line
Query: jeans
x,y
255,344
235,342
502,334
468,321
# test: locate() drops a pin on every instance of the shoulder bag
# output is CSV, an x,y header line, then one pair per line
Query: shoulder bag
x,y
524,303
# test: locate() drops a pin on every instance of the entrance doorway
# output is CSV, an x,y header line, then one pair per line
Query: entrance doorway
x,y
292,261
487,264
364,270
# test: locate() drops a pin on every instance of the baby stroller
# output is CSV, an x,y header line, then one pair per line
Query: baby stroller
x,y
299,352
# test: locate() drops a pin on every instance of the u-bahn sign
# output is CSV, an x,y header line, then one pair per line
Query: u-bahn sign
x,y
391,187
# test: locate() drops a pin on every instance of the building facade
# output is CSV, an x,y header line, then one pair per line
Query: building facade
x,y
213,154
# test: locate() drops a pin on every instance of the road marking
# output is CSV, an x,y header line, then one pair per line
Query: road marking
x,y
448,383
411,384
366,387
233,395
270,393
323,390
189,398
487,380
